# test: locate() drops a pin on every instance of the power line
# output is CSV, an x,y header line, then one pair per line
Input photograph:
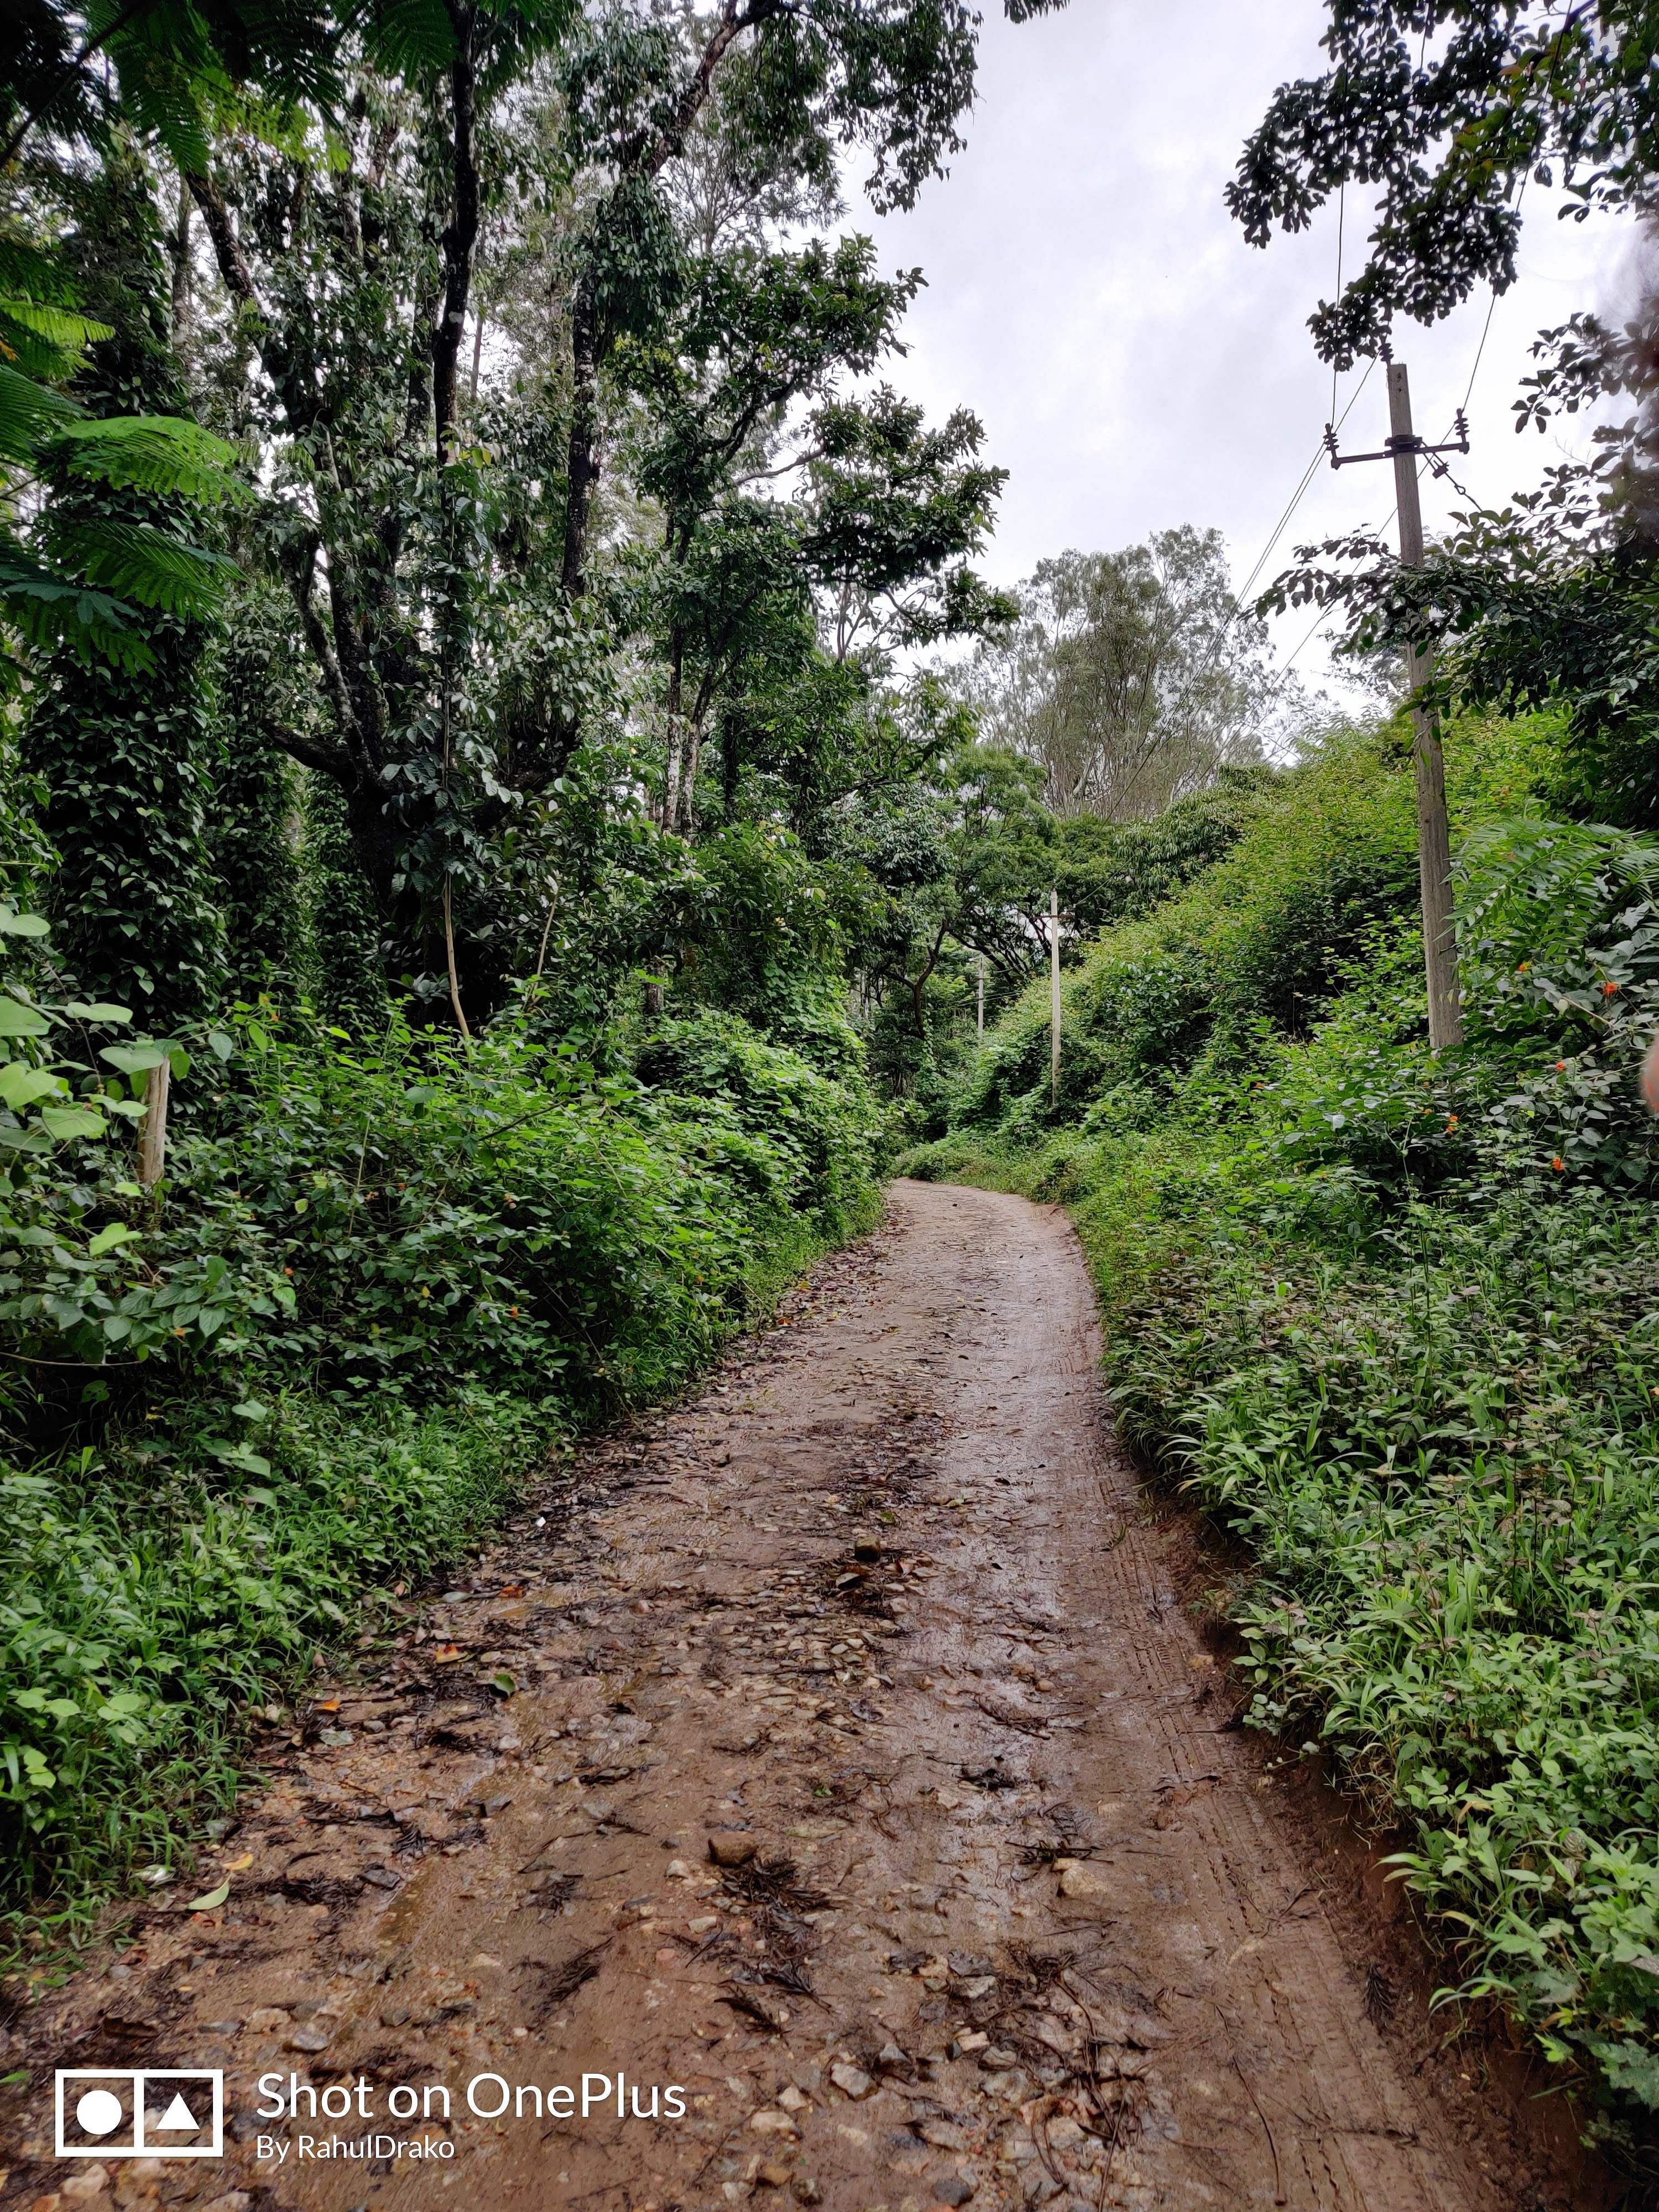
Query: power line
x,y
1297,496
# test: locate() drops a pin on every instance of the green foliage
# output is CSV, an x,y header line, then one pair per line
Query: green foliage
x,y
149,1594
254,828
126,757
1393,1322
818,1135
1512,89
345,963
303,1365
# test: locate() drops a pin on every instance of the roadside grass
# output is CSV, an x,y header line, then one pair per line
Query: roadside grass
x,y
1443,1458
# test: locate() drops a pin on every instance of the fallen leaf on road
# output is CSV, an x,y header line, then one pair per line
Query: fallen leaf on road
x,y
211,1899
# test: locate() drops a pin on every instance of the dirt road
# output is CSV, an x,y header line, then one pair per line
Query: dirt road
x,y
1010,1913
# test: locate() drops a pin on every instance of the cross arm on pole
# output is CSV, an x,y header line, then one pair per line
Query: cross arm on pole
x,y
1401,443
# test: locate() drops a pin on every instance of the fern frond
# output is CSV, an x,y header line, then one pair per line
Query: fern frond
x,y
157,453
140,562
407,38
45,610
29,411
61,327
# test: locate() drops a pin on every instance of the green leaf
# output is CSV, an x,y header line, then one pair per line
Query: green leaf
x,y
79,1012
160,453
21,1084
107,1239
132,1059
13,924
17,1020
64,1122
211,1899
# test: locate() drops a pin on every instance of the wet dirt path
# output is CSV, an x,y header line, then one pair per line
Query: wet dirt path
x,y
1010,1915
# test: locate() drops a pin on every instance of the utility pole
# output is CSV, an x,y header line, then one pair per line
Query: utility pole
x,y
1433,838
979,1004
1053,998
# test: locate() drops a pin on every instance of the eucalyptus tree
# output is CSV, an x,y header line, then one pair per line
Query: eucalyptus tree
x,y
1131,677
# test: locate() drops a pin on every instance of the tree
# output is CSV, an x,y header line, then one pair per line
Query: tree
x,y
891,77
1131,677
80,582
1444,107
125,740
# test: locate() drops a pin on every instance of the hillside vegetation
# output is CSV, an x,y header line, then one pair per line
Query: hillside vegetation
x,y
1395,1322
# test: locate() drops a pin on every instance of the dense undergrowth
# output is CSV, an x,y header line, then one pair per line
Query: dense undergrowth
x,y
373,1289
1396,1323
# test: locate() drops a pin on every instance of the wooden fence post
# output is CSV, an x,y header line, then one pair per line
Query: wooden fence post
x,y
153,1129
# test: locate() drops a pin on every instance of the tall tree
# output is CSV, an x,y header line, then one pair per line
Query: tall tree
x,y
891,77
1131,677
1445,110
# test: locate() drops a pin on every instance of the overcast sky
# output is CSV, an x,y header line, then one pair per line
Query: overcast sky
x,y
1136,364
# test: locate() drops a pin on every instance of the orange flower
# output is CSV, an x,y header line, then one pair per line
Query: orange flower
x,y
1558,1163
1451,1121
1609,990
1560,1067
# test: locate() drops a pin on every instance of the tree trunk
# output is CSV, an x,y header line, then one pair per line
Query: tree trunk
x,y
581,468
460,236
179,253
676,720
691,754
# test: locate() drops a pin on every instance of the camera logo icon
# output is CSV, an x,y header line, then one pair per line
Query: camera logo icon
x,y
119,2111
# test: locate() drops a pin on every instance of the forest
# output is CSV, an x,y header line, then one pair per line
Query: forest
x,y
523,804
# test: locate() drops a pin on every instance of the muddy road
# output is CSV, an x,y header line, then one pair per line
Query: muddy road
x,y
835,1757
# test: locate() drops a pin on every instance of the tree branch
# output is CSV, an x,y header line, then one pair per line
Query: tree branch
x,y
328,760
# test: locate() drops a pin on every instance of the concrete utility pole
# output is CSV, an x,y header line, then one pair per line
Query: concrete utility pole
x,y
1433,838
979,1003
1053,998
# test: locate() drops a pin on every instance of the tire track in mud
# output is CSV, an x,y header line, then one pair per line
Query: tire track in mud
x,y
835,1748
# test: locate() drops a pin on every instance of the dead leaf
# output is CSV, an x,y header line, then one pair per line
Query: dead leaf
x,y
446,1654
211,1899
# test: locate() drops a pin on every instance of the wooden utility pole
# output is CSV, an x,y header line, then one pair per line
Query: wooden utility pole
x,y
1433,838
1053,998
153,1129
